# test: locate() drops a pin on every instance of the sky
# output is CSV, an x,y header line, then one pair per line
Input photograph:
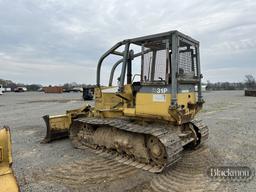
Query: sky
x,y
58,41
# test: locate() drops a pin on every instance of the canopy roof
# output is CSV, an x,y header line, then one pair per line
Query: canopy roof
x,y
156,40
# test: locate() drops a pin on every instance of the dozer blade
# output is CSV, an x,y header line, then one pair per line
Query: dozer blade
x,y
8,181
57,127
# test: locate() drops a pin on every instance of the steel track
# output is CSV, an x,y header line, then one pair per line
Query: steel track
x,y
169,139
167,136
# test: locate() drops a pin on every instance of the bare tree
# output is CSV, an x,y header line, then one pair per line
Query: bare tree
x,y
250,81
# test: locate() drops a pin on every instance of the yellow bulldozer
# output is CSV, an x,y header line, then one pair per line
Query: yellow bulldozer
x,y
149,116
8,181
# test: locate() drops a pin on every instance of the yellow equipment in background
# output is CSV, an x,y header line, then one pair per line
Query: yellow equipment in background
x,y
150,120
8,182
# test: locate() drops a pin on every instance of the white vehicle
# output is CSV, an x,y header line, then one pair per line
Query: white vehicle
x,y
20,89
1,89
7,89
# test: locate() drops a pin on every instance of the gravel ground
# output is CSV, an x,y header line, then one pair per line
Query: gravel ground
x,y
58,167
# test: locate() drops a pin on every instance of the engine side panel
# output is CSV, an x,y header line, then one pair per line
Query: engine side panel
x,y
158,103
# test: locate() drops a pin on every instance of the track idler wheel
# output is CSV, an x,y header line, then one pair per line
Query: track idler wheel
x,y
156,150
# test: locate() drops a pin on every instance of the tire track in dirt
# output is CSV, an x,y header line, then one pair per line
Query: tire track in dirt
x,y
94,174
189,174
101,171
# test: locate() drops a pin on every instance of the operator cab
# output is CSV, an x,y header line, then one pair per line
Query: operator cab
x,y
169,71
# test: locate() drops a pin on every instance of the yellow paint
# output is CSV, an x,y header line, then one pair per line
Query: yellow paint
x,y
106,98
7,179
8,182
5,143
60,122
1,154
109,103
129,111
148,103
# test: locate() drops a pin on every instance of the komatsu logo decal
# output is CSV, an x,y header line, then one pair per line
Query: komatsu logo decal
x,y
159,90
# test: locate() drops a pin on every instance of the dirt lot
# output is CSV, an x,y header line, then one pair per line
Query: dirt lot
x,y
58,167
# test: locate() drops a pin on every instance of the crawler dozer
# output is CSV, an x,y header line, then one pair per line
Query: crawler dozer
x,y
149,116
8,181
